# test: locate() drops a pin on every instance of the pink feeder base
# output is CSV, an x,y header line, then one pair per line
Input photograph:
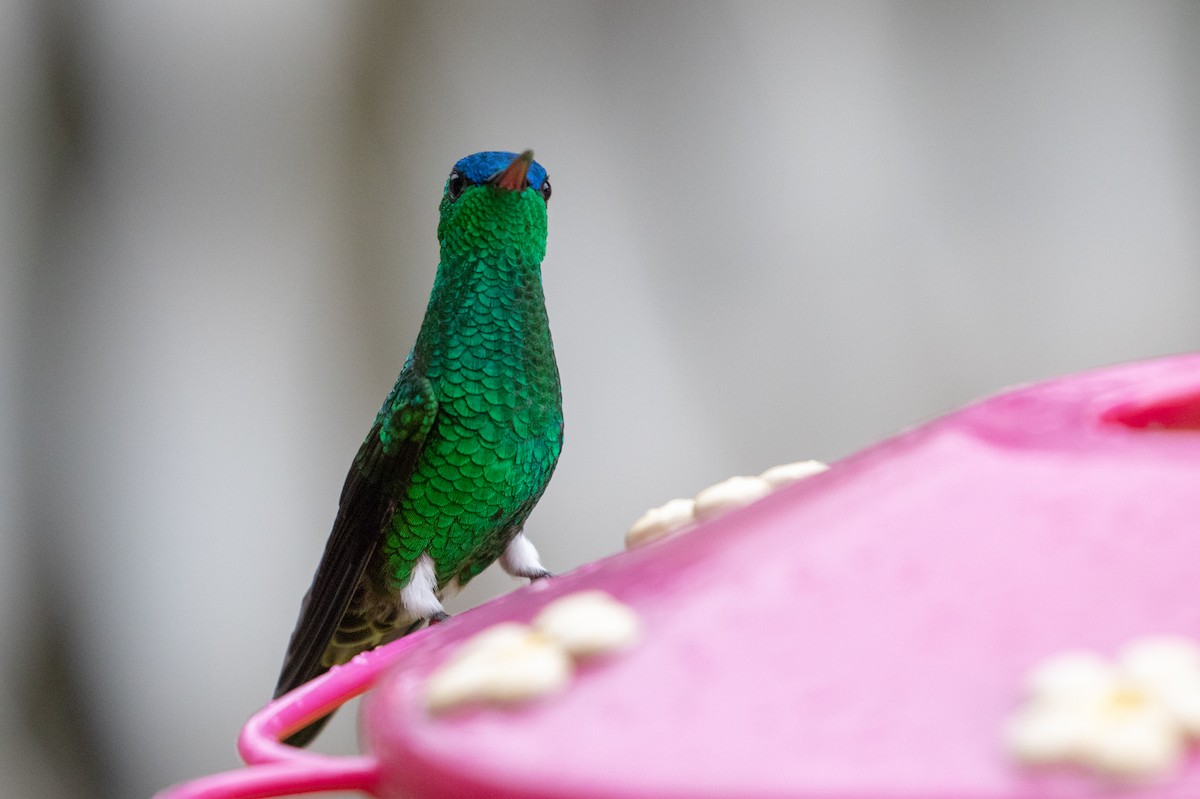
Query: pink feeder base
x,y
863,634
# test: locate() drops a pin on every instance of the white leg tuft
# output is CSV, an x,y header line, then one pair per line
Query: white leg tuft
x,y
520,559
419,596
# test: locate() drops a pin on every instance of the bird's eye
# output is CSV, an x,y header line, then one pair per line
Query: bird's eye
x,y
545,190
455,185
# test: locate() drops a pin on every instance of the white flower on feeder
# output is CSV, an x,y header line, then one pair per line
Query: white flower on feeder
x,y
510,663
729,494
588,623
788,473
1131,717
726,495
660,522
506,663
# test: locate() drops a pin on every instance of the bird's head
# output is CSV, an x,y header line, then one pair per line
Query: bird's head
x,y
495,202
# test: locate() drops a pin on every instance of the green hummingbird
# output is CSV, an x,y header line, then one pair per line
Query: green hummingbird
x,y
464,444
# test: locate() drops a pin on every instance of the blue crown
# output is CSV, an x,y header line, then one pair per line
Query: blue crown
x,y
479,167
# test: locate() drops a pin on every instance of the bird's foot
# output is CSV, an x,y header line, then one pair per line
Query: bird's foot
x,y
439,617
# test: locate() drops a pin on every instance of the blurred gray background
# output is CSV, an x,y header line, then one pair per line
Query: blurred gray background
x,y
777,232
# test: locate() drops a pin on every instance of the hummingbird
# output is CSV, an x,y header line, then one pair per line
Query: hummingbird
x,y
463,446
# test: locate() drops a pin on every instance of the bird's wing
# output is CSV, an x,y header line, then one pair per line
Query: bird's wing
x,y
381,471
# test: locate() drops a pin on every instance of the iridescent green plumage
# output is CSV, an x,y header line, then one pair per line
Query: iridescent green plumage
x,y
464,445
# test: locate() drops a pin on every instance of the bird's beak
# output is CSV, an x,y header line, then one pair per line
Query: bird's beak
x,y
512,177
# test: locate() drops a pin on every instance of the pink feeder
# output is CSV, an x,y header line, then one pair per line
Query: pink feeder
x,y
866,633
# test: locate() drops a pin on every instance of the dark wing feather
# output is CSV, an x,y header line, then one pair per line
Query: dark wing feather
x,y
379,476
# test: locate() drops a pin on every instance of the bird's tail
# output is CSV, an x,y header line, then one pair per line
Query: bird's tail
x,y
358,632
